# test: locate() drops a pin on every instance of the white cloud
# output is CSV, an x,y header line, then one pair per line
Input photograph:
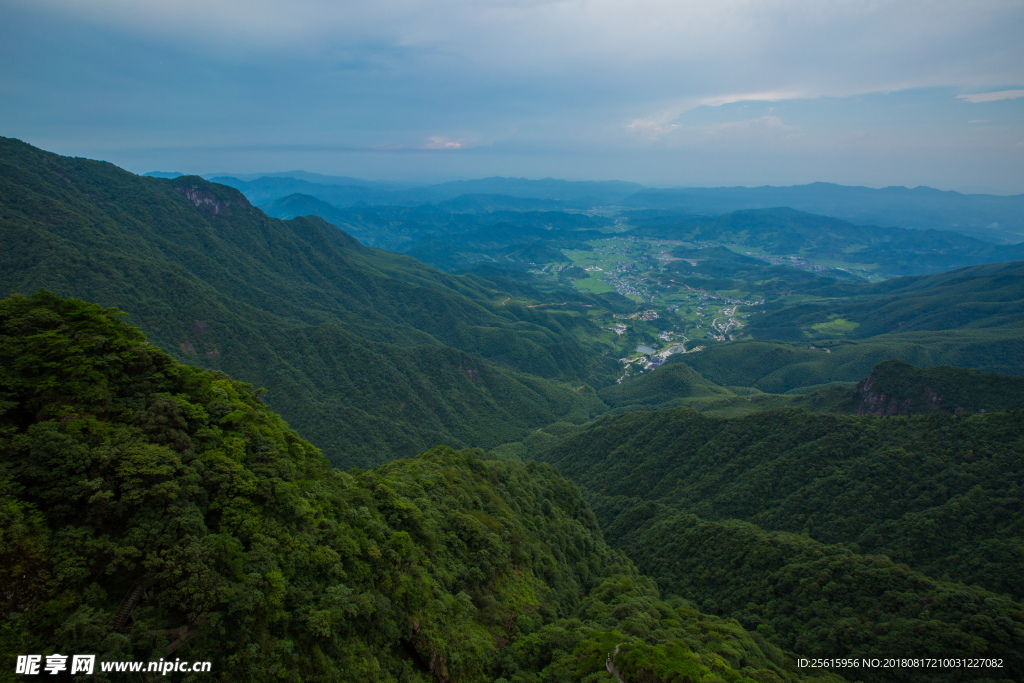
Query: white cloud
x,y
775,96
764,127
438,142
992,96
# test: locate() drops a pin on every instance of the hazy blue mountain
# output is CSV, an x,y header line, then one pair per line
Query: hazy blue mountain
x,y
582,194
170,175
266,189
318,178
784,231
598,192
486,203
991,217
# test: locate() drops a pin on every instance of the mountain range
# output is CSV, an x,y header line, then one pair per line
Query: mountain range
x,y
271,444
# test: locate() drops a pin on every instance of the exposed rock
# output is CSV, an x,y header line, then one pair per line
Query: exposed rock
x,y
206,202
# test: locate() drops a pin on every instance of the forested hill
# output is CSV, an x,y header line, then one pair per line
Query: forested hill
x,y
151,510
373,355
834,535
898,388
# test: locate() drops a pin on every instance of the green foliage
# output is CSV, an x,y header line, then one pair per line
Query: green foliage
x,y
710,508
988,298
371,354
120,467
660,389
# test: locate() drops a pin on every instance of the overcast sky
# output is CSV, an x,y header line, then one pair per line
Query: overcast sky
x,y
662,92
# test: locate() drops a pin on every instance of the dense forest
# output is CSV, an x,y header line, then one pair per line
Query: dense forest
x,y
371,354
859,512
260,442
122,468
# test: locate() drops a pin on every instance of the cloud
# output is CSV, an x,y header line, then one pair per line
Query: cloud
x,y
774,96
438,142
992,96
764,127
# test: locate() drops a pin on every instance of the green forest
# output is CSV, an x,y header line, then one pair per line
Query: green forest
x,y
548,443
122,467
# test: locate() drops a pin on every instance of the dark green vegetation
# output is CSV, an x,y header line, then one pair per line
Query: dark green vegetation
x,y
898,388
371,354
120,468
830,535
823,531
987,298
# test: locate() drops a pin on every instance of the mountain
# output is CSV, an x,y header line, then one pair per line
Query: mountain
x,y
487,203
784,231
580,194
372,354
317,178
898,388
402,229
992,218
153,510
823,532
266,189
596,192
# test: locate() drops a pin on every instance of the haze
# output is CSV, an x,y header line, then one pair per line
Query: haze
x,y
657,92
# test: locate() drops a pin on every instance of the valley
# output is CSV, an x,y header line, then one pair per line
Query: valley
x,y
496,437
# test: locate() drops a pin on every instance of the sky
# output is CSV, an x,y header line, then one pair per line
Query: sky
x,y
660,92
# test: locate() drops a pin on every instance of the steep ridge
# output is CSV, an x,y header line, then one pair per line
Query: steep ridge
x,y
371,353
121,468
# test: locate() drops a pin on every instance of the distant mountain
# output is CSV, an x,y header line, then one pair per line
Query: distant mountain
x,y
266,189
373,354
782,231
163,174
597,192
317,178
989,217
486,203
581,194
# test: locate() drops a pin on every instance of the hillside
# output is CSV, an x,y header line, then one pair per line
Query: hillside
x,y
878,531
372,354
898,388
153,510
984,297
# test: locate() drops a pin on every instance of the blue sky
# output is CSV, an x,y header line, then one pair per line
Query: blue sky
x,y
662,92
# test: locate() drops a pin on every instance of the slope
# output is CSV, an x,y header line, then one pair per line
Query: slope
x,y
372,353
151,510
781,519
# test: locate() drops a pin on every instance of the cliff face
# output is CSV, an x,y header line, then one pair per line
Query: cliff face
x,y
874,401
898,388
